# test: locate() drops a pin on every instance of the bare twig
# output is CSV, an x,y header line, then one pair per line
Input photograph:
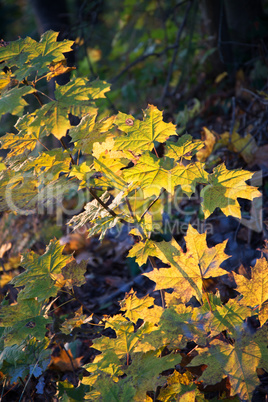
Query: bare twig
x,y
233,118
152,203
177,43
65,147
153,264
139,60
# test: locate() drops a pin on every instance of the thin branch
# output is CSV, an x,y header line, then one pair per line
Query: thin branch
x,y
28,380
153,264
65,147
85,307
140,59
152,203
71,361
233,117
43,145
129,208
38,98
177,44
105,206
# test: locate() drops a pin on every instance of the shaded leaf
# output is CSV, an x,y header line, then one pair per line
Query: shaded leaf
x,y
29,55
238,361
13,101
74,273
22,320
41,269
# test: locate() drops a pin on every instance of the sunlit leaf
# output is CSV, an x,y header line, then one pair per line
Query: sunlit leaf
x,y
89,131
185,147
209,140
224,187
187,270
255,290
142,250
143,135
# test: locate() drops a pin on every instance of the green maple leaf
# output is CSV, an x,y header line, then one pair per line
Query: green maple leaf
x,y
26,138
238,361
108,363
43,269
134,307
123,344
145,369
29,55
224,189
28,358
110,172
185,147
72,98
108,390
152,174
255,290
13,102
74,273
178,385
89,131
126,338
142,250
143,135
189,176
175,327
187,270
217,317
17,191
22,320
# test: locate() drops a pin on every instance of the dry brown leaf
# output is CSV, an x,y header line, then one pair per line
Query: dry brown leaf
x,y
62,360
209,140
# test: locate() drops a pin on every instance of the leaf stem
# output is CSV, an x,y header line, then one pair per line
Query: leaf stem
x,y
206,294
66,149
129,208
105,206
153,264
85,307
71,361
153,202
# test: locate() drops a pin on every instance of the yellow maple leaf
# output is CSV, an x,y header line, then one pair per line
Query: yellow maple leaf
x,y
224,187
187,270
